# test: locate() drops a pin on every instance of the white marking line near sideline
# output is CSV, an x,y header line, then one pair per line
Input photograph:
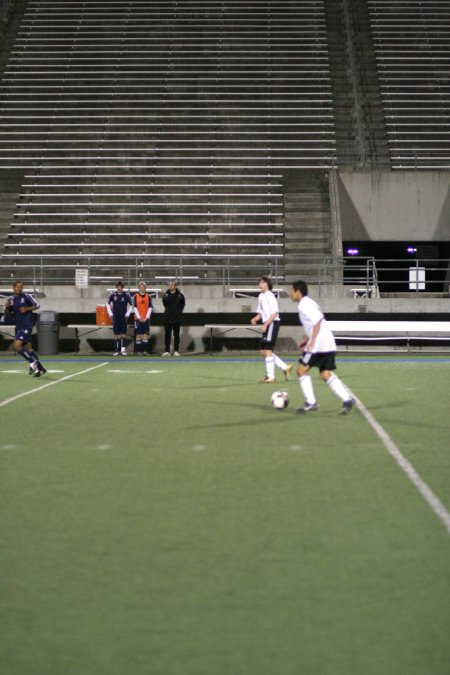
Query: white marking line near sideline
x,y
427,493
49,384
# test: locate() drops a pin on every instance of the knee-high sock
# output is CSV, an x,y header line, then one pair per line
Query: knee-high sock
x,y
26,355
337,387
270,367
307,388
279,362
145,346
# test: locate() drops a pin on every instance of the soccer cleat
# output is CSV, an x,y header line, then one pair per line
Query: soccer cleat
x,y
42,370
176,353
287,372
124,352
37,373
308,407
347,406
32,369
267,380
116,354
166,354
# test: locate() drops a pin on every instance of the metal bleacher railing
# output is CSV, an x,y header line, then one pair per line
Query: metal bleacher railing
x,y
364,277
212,269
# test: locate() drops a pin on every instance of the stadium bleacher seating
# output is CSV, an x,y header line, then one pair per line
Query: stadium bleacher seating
x,y
412,47
157,136
151,132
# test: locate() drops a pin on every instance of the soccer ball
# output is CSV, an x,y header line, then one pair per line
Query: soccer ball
x,y
280,400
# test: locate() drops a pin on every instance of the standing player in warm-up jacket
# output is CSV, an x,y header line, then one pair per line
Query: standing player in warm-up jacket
x,y
174,303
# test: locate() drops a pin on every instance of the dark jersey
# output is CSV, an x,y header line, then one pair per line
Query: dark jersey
x,y
174,304
23,322
119,303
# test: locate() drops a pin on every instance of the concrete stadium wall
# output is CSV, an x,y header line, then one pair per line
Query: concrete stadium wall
x,y
215,299
395,205
214,304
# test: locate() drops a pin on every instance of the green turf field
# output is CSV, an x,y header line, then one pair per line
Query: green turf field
x,y
160,518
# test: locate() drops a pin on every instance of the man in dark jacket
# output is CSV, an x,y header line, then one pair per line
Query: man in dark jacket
x,y
174,302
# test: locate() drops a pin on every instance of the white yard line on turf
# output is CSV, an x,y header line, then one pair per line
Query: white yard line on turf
x,y
427,493
49,384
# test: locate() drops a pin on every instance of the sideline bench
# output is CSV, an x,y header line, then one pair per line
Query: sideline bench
x,y
391,330
252,292
83,329
224,328
86,329
362,330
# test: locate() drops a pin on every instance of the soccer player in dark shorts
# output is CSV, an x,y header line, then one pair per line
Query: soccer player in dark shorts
x,y
268,315
119,308
22,305
319,352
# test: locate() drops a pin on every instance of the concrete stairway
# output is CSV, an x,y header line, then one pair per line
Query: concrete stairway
x,y
361,138
307,223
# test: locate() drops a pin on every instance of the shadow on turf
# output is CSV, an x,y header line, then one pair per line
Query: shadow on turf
x,y
278,416
409,423
220,386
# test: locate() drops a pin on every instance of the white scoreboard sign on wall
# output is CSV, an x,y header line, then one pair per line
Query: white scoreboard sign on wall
x,y
81,277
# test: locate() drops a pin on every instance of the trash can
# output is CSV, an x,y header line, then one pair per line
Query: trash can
x,y
48,332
